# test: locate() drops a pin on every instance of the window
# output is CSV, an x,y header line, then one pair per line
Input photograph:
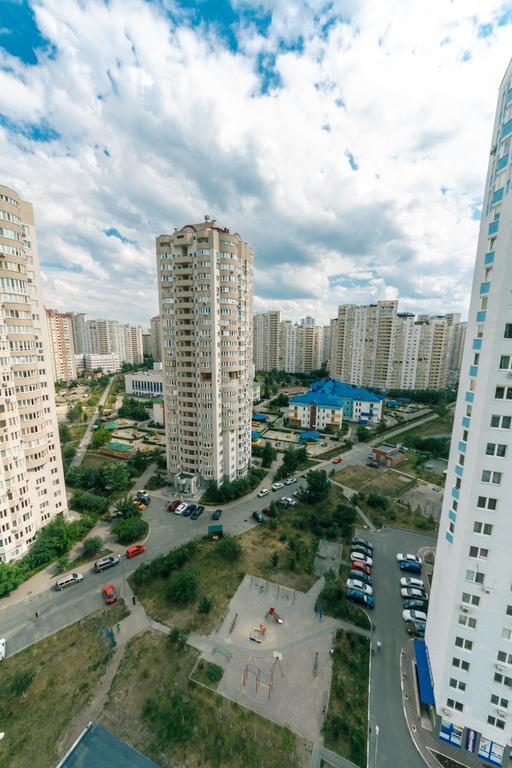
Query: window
x,y
467,621
496,449
486,503
499,678
476,358
483,302
470,599
501,422
509,610
462,642
479,552
496,721
455,705
475,576
459,684
504,362
506,633
504,657
491,477
498,701
483,528
499,394
508,331
460,664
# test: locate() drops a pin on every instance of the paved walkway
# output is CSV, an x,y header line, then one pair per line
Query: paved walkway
x,y
331,758
84,442
349,492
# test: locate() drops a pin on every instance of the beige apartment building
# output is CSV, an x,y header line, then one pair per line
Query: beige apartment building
x,y
308,347
205,281
266,342
62,349
156,338
286,346
32,490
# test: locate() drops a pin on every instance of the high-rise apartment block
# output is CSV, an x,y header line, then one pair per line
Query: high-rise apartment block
x,y
205,278
107,337
376,346
469,628
266,342
62,348
156,338
32,488
283,345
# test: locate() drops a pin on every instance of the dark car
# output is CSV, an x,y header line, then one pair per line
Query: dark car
x,y
416,604
356,596
191,508
356,543
144,497
361,576
362,550
258,517
172,506
198,511
372,464
217,514
410,565
415,628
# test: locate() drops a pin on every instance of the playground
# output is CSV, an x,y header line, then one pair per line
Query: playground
x,y
274,646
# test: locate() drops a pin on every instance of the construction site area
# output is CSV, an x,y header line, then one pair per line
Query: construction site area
x,y
274,645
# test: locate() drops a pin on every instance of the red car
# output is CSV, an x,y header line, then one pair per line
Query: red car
x,y
172,506
109,594
337,460
357,565
135,549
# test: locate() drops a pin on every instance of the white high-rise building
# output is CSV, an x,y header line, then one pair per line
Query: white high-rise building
x,y
62,350
469,628
205,279
80,333
156,338
266,341
32,488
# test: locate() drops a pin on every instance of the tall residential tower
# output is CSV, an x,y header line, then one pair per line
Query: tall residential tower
x,y
469,629
205,280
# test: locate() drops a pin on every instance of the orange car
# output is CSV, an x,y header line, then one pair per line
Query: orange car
x,y
135,549
109,594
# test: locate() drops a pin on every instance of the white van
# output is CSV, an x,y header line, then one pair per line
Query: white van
x,y
68,580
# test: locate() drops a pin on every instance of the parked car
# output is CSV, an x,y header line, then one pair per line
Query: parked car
x,y
410,581
416,628
290,480
262,493
180,509
106,562
371,457
361,557
217,514
276,486
109,594
337,460
191,508
287,501
372,464
414,615
361,575
363,543
358,565
410,565
360,548
258,517
135,549
268,511
416,603
359,584
172,506
413,592
143,496
408,558
68,580
198,511
356,596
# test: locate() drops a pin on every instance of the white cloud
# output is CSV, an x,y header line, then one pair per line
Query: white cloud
x,y
158,124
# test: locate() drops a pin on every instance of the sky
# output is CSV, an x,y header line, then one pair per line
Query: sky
x,y
347,142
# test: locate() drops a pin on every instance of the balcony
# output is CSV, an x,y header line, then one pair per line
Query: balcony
x,y
480,316
477,344
485,288
506,129
497,196
489,258
502,163
493,227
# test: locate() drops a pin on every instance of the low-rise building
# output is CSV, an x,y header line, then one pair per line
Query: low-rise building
x,y
388,455
108,363
158,412
328,402
145,383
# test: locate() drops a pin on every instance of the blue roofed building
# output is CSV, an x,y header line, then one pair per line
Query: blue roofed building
x,y
329,401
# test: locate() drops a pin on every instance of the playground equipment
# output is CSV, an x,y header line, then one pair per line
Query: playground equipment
x,y
272,612
261,676
258,633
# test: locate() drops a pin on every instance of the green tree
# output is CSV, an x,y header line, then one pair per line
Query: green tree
x,y
205,604
21,682
62,563
229,547
92,546
127,508
182,587
100,437
381,427
115,477
268,454
74,412
363,433
131,529
11,576
64,433
318,485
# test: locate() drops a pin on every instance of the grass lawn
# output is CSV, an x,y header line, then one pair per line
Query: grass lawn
x,y
93,459
409,466
347,716
443,425
155,708
44,687
385,481
400,516
356,477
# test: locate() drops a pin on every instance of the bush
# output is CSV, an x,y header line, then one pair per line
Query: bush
x,y
100,437
21,682
229,547
378,501
131,529
214,673
132,409
62,563
182,587
205,604
232,489
177,638
93,545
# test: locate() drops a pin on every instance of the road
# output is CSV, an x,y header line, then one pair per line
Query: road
x,y
84,442
18,623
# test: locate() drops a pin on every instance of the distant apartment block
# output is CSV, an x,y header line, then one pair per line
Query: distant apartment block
x,y
108,363
283,345
107,337
146,342
205,277
266,343
32,490
376,346
62,350
156,338
328,402
145,383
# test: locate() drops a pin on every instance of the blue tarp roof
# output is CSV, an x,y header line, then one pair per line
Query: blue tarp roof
x,y
423,668
310,435
98,747
259,417
330,392
255,435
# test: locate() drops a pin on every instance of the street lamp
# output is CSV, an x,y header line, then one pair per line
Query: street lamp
x,y
376,745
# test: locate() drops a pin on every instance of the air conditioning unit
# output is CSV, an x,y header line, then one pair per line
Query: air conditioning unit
x,y
500,667
464,609
501,714
447,711
487,590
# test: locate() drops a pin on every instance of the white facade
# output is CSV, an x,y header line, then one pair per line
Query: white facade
x,y
469,629
145,383
80,334
107,363
205,277
32,490
60,337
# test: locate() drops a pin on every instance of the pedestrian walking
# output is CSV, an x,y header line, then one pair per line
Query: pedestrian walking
x,y
37,614
379,645
134,600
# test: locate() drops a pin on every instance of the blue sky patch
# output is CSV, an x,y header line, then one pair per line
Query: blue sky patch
x,y
270,78
484,30
113,232
19,33
505,16
351,160
35,132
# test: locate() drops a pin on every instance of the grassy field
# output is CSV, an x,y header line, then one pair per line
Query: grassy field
x,y
398,515
93,459
410,466
155,707
356,477
347,717
387,482
44,687
443,425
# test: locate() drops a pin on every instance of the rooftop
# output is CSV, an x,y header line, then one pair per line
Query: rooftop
x,y
97,746
331,392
